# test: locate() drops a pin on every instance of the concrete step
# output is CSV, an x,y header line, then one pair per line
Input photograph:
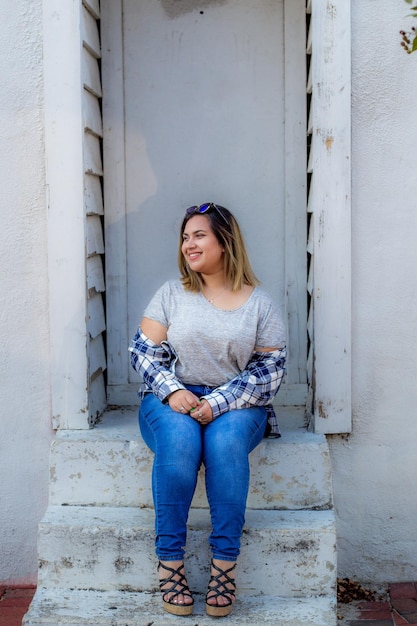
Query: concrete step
x,y
284,553
111,466
62,607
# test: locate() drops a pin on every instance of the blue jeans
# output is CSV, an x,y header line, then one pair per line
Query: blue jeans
x,y
180,445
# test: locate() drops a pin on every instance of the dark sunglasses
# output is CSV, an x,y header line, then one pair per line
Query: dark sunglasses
x,y
203,208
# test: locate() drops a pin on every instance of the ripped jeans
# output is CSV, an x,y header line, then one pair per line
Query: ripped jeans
x,y
180,445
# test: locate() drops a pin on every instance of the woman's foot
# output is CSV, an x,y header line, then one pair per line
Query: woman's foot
x,y
176,595
221,589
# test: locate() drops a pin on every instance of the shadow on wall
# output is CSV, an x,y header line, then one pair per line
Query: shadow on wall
x,y
175,8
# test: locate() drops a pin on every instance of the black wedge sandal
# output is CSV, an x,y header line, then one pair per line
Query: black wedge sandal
x,y
225,588
177,587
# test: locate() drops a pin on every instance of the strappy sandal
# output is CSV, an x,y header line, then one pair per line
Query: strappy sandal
x,y
226,588
177,588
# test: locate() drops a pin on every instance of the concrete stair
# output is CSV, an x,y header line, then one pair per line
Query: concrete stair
x,y
96,541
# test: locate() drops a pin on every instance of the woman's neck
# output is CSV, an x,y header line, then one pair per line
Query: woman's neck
x,y
216,281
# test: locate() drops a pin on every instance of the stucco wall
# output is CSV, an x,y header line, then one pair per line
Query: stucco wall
x,y
24,327
375,468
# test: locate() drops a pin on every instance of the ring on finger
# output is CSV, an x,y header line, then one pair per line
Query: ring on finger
x,y
200,414
182,409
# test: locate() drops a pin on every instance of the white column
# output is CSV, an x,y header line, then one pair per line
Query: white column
x,y
331,165
66,217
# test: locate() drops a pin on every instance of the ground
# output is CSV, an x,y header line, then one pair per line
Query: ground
x,y
396,605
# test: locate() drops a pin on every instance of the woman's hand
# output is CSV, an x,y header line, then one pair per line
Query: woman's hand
x,y
202,413
184,401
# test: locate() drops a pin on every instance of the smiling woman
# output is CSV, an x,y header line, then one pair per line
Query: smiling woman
x,y
210,351
226,231
201,248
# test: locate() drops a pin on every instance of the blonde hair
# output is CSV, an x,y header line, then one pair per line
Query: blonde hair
x,y
237,268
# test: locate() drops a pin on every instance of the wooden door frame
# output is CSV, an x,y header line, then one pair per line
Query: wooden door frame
x,y
329,203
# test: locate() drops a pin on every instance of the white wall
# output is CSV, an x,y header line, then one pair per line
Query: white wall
x,y
24,326
375,469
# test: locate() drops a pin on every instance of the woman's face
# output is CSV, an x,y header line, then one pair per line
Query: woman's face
x,y
201,249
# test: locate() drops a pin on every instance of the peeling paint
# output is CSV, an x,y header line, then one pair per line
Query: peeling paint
x,y
331,10
276,477
329,142
320,407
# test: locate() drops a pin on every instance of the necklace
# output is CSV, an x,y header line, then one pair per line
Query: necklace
x,y
211,299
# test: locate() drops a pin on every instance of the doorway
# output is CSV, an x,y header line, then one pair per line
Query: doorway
x,y
202,102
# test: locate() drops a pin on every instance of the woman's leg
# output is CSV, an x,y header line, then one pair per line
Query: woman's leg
x,y
227,444
176,441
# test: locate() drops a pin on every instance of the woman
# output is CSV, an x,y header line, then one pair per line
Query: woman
x,y
210,351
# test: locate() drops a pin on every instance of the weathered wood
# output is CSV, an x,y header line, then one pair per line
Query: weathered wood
x,y
74,196
92,114
97,356
96,322
93,196
92,155
295,190
95,275
310,241
95,242
97,400
91,73
94,7
66,223
331,205
126,394
90,34
309,39
310,122
114,189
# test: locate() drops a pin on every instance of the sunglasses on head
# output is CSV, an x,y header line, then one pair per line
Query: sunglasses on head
x,y
203,208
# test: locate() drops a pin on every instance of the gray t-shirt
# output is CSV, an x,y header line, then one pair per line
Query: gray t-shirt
x,y
214,345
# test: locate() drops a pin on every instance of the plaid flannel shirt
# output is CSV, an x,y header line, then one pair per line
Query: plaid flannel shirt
x,y
256,385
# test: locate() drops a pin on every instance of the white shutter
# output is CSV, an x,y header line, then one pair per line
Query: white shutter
x,y
329,215
73,132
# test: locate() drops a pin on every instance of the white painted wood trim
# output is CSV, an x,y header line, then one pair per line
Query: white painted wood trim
x,y
114,191
295,190
91,73
94,7
331,206
89,33
66,220
92,195
95,275
126,395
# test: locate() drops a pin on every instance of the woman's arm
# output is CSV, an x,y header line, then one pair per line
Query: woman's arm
x,y
155,331
152,360
256,385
